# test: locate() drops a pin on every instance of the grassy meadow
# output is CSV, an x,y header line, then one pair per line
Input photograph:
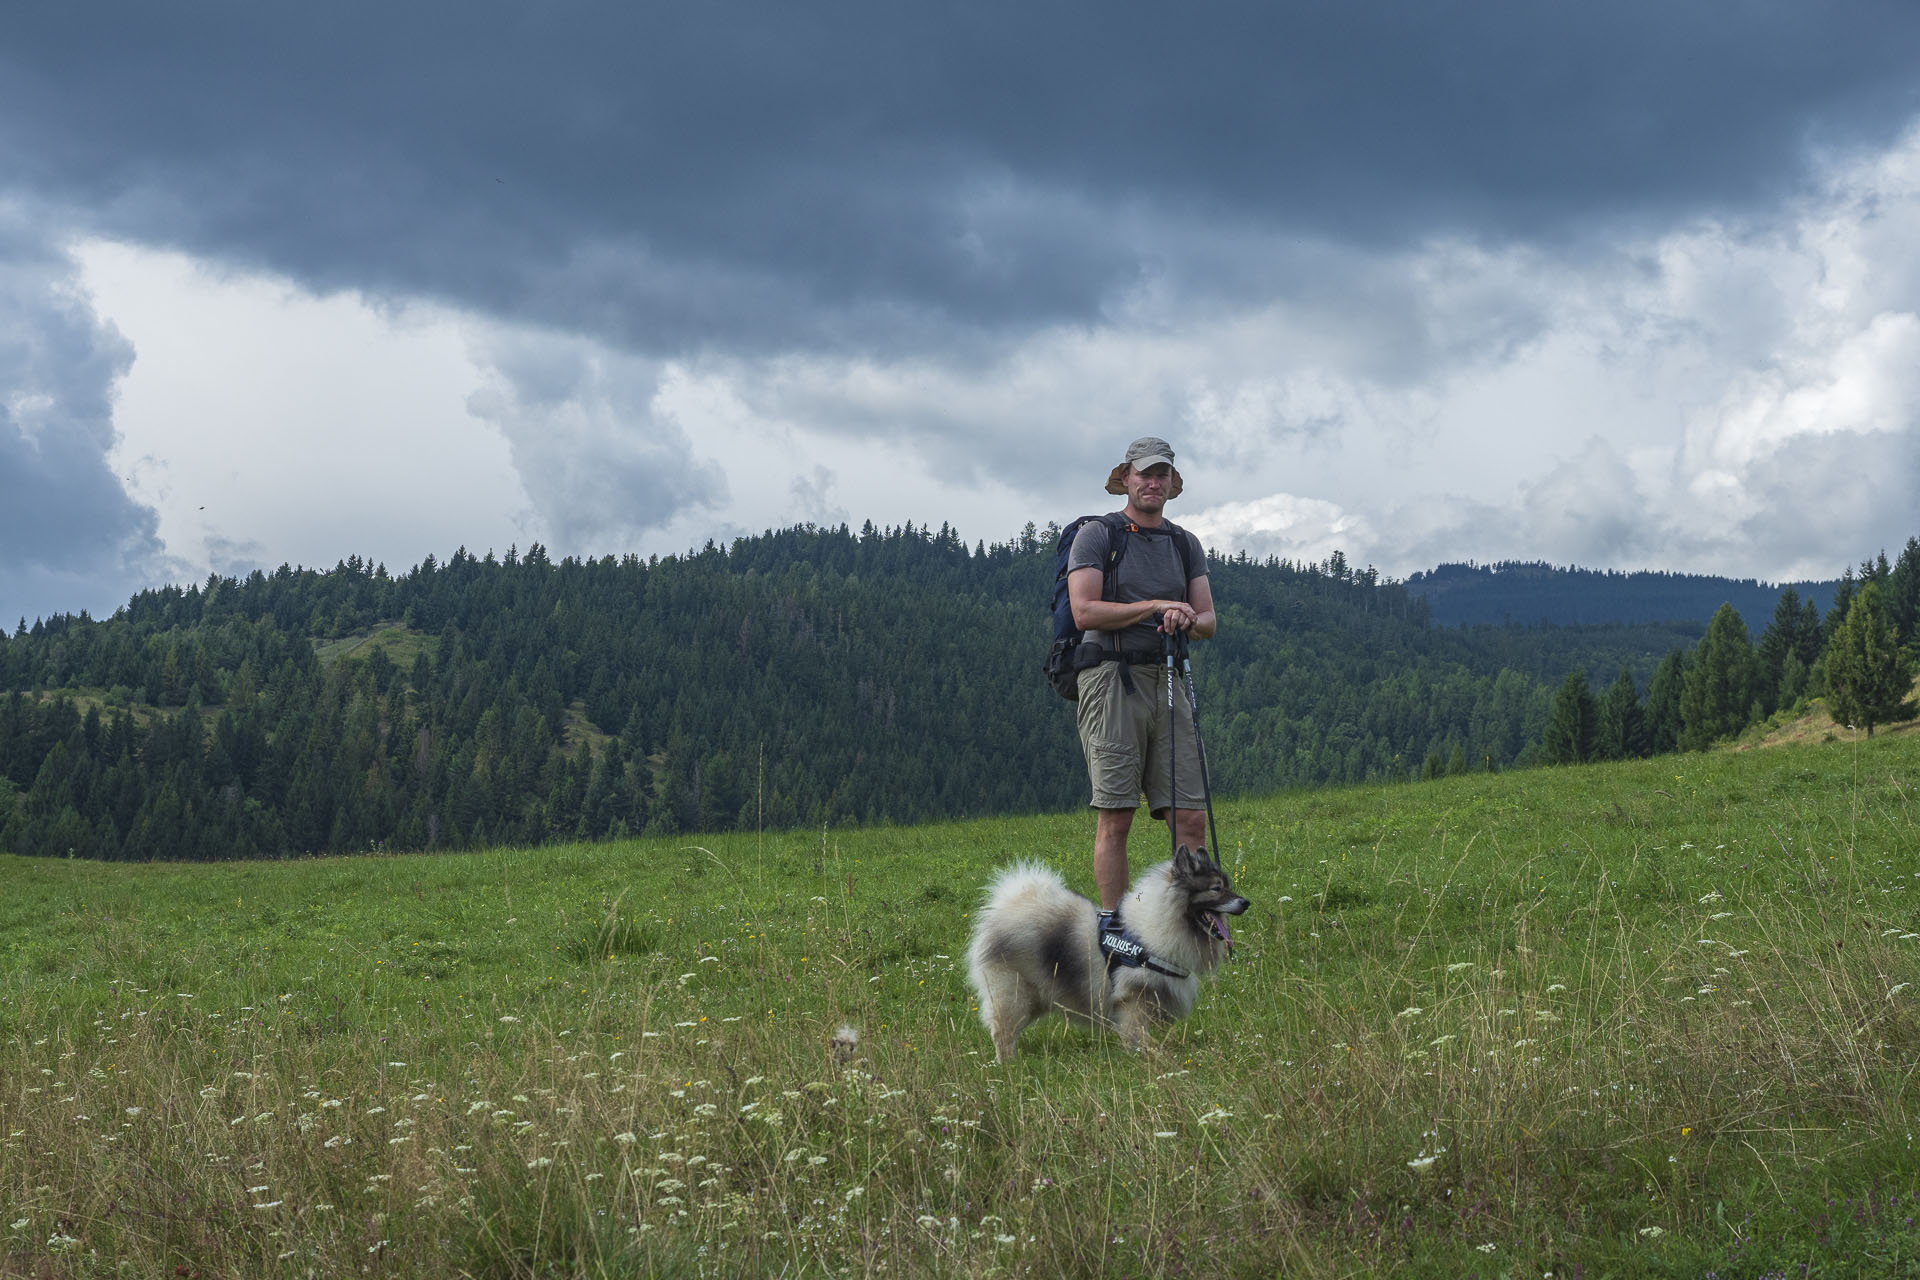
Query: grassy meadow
x,y
1658,1018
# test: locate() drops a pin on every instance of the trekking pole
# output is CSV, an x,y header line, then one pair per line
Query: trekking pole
x,y
1173,789
1199,747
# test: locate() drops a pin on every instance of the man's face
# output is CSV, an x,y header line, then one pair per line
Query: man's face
x,y
1147,490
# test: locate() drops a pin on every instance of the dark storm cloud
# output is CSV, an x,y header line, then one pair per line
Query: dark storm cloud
x,y
70,536
751,176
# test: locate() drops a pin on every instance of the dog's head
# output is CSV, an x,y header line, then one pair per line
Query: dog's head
x,y
1210,896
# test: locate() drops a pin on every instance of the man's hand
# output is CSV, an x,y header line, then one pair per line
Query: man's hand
x,y
1177,616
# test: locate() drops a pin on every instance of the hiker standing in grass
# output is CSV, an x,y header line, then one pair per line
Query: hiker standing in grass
x,y
1159,587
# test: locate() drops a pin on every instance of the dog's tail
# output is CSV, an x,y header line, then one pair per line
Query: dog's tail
x,y
1023,880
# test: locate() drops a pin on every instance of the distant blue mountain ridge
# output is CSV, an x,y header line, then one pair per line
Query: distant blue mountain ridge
x,y
1526,593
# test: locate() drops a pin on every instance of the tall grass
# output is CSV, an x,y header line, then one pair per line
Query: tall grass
x,y
1646,1019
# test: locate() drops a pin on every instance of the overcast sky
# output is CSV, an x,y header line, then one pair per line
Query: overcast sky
x,y
1628,285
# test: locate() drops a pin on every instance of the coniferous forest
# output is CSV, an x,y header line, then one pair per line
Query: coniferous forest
x,y
1524,593
808,676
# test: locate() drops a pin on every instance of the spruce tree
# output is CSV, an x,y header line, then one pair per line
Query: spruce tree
x,y
1623,723
1780,644
1719,694
1903,593
1573,727
1842,601
1663,703
1868,674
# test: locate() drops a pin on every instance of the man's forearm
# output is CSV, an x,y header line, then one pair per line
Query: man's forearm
x,y
1111,615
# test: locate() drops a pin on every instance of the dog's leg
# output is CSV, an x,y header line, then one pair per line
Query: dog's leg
x,y
1130,1018
1006,1010
1003,1038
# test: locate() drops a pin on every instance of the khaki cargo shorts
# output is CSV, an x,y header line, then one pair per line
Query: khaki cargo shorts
x,y
1125,738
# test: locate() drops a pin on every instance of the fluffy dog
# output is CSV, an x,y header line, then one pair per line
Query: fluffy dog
x,y
1036,949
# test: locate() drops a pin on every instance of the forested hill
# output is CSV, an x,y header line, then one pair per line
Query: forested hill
x,y
807,676
1523,593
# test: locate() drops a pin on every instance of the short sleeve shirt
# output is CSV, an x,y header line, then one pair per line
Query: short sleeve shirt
x,y
1150,570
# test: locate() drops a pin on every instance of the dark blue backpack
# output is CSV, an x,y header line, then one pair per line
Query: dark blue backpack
x,y
1069,655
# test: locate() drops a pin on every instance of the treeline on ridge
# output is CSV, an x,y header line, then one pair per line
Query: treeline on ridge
x,y
807,676
1523,592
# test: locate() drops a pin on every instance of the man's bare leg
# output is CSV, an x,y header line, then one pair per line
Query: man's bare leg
x,y
1110,855
1190,828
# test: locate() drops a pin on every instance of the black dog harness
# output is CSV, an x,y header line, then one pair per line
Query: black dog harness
x,y
1123,950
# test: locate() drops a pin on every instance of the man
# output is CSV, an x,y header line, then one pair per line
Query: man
x,y
1123,704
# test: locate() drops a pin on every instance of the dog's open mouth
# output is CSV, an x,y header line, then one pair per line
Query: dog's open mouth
x,y
1217,926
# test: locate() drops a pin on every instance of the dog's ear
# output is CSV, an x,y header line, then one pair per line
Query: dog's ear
x,y
1184,863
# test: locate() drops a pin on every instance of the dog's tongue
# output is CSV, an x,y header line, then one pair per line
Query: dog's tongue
x,y
1220,930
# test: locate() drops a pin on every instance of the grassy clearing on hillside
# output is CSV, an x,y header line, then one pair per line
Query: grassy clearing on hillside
x,y
402,643
1814,723
1648,1019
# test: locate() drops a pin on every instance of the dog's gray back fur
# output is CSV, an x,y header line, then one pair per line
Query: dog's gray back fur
x,y
1035,951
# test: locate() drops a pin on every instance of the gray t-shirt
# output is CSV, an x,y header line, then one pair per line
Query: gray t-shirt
x,y
1150,570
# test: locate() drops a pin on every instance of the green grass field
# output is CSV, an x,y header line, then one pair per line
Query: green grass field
x,y
1660,1018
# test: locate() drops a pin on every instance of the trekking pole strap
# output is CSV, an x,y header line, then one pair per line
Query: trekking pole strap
x,y
1200,749
1173,787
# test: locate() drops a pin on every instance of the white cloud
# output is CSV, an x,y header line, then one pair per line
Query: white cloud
x,y
1304,530
267,425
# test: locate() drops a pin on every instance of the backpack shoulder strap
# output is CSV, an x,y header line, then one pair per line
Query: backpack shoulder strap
x,y
1117,529
1183,544
1118,526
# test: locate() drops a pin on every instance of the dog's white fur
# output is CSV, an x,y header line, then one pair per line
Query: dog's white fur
x,y
1036,950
